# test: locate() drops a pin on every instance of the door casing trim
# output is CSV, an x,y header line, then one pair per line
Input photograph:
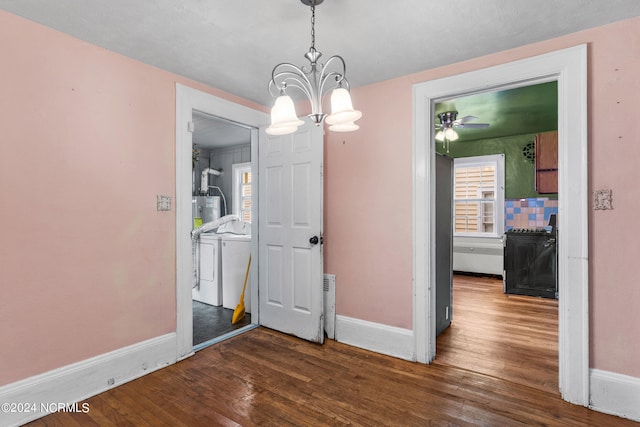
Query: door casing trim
x,y
187,100
569,68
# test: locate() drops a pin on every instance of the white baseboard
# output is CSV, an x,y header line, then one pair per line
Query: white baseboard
x,y
79,381
615,394
389,340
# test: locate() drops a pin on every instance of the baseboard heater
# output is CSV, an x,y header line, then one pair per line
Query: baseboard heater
x,y
478,256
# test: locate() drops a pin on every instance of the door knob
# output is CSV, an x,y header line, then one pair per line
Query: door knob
x,y
314,240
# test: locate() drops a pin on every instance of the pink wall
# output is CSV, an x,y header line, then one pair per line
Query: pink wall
x,y
368,198
88,138
368,194
87,264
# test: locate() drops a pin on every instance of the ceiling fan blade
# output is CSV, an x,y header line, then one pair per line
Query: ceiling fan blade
x,y
466,119
474,125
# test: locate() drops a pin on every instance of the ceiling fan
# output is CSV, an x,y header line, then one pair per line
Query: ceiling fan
x,y
449,121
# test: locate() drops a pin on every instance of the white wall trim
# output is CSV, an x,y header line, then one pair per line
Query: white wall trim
x,y
615,394
569,68
81,380
187,100
389,340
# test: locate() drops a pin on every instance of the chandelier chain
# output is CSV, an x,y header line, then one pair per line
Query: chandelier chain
x,y
313,26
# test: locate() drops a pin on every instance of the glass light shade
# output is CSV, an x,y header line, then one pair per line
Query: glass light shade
x,y
344,127
283,115
440,136
342,111
451,134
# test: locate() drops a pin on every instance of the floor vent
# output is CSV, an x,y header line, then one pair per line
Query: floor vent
x,y
329,285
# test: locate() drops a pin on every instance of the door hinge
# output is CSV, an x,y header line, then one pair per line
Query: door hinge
x,y
191,126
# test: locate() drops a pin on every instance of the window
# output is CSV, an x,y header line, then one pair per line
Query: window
x,y
478,196
241,183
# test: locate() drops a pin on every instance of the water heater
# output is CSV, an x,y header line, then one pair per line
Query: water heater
x,y
205,207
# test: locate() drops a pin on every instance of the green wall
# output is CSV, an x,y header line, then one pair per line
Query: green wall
x,y
519,172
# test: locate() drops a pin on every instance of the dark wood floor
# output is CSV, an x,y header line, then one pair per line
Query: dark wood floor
x,y
266,378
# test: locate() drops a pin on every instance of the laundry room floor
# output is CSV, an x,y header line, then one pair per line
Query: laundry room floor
x,y
210,322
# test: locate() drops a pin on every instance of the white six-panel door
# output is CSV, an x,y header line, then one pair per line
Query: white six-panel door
x,y
290,216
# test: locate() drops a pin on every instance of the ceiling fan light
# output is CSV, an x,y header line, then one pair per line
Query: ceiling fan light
x,y
342,111
283,114
451,134
440,136
344,127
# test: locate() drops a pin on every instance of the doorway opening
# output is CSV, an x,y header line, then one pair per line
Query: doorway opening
x,y
493,190
189,103
221,186
568,68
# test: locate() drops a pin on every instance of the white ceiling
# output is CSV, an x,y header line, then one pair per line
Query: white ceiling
x,y
214,132
233,44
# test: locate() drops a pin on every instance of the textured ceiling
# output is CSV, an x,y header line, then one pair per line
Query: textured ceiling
x,y
214,132
233,45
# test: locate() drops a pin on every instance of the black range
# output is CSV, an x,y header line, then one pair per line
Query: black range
x,y
530,262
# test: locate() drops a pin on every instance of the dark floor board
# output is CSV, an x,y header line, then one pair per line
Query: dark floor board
x,y
266,378
495,366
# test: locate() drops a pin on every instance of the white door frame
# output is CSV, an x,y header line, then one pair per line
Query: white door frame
x,y
187,100
569,68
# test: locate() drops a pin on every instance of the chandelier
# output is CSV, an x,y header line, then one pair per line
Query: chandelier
x,y
314,82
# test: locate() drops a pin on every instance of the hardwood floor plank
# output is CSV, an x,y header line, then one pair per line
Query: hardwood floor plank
x,y
512,337
486,373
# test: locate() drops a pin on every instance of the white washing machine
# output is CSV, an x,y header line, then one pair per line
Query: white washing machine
x,y
209,290
235,257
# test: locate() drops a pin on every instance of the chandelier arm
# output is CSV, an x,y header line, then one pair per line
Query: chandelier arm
x,y
300,86
322,91
340,60
290,72
291,81
337,75
288,82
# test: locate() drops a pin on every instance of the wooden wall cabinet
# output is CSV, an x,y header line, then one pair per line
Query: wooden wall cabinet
x,y
546,162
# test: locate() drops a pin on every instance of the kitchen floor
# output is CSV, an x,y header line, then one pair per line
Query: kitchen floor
x,y
210,322
511,337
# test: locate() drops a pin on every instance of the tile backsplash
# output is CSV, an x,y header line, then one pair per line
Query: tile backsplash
x,y
529,213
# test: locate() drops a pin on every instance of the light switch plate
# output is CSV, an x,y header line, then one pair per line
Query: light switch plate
x,y
163,202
